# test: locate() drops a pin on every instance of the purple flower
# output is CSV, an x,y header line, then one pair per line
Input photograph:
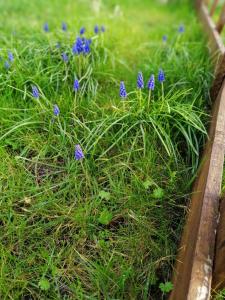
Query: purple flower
x,y
140,81
76,85
181,29
56,110
78,154
10,56
64,26
164,38
7,64
123,93
78,46
161,76
65,57
46,27
96,29
35,92
86,48
102,28
151,83
82,30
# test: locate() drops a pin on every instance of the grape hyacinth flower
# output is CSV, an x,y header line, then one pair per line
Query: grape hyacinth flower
x,y
46,27
7,64
10,56
164,38
181,29
140,81
76,85
151,83
64,26
35,92
96,29
78,154
123,93
86,47
78,46
56,110
151,86
102,28
82,30
65,57
161,76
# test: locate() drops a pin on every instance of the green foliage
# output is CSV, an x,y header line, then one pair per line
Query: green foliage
x,y
158,193
105,217
166,287
96,229
44,284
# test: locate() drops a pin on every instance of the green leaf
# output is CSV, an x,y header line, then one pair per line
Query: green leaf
x,y
148,183
104,195
158,193
44,284
105,217
166,287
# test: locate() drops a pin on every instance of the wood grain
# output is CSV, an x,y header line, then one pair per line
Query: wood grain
x,y
218,281
193,274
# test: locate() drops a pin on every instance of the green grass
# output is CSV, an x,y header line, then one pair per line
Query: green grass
x,y
106,227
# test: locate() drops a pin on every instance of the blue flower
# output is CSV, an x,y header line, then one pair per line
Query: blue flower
x,y
96,29
102,28
123,93
164,38
7,64
82,30
78,46
140,81
76,85
46,27
181,29
65,57
151,83
35,92
10,56
78,154
64,26
56,110
86,48
161,76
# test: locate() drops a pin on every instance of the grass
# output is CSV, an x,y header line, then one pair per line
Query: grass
x,y
106,227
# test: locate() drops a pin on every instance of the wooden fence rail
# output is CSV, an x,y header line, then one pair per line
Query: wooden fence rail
x,y
194,268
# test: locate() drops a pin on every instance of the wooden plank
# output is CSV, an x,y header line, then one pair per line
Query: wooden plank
x,y
213,8
218,282
221,21
216,47
193,274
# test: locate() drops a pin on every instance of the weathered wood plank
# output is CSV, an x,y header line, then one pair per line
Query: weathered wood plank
x,y
216,47
214,6
221,21
218,281
193,275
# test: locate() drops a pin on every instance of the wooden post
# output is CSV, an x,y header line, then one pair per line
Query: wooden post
x,y
213,8
221,21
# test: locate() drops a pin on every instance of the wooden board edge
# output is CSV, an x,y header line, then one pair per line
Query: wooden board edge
x,y
193,271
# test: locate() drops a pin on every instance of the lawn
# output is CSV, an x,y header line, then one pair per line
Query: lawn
x,y
101,220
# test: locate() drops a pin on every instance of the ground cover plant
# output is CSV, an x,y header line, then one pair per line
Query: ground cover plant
x,y
103,111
